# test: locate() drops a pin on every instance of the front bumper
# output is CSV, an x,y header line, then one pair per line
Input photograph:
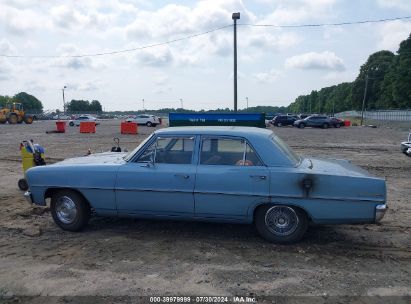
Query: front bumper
x,y
28,197
379,212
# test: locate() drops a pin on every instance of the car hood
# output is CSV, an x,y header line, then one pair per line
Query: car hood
x,y
97,158
336,167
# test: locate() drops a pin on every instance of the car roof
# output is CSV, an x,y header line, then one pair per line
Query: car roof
x,y
217,130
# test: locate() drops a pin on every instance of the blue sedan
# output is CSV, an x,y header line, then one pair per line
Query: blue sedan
x,y
221,174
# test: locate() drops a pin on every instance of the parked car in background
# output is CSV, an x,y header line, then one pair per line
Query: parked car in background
x,y
336,122
283,120
62,117
145,119
317,121
83,118
406,146
221,174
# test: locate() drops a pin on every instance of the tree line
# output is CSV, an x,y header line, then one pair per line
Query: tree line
x,y
84,106
30,103
388,80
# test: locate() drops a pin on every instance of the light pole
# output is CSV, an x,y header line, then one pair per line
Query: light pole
x,y
235,17
143,105
181,101
247,102
64,100
367,78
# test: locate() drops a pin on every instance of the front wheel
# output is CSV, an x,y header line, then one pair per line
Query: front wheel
x,y
337,125
301,125
69,209
149,123
325,126
71,124
23,185
28,120
281,224
279,124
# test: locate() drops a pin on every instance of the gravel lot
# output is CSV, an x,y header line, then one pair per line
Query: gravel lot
x,y
128,257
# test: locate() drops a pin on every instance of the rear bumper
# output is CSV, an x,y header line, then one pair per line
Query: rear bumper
x,y
28,197
380,212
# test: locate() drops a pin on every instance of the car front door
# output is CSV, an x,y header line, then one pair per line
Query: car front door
x,y
160,181
230,179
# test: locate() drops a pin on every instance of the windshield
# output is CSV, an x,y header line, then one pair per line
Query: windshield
x,y
131,154
294,157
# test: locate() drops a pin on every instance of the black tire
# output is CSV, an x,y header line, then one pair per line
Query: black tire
x,y
23,185
325,126
337,125
71,124
297,219
301,125
13,119
149,124
28,120
62,206
279,124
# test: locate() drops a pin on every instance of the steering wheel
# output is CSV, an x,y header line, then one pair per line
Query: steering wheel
x,y
244,163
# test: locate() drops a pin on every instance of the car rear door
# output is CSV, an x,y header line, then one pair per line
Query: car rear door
x,y
230,179
160,181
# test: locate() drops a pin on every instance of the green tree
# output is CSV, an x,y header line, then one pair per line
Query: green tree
x,y
30,103
95,106
396,88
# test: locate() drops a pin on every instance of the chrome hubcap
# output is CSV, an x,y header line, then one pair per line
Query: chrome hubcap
x,y
66,210
281,220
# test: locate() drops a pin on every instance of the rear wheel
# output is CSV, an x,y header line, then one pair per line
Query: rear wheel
x,y
71,124
325,126
279,124
301,125
69,209
337,125
13,119
281,224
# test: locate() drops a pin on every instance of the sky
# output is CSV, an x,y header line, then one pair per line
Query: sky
x,y
275,65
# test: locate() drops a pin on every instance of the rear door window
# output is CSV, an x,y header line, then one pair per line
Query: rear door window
x,y
228,152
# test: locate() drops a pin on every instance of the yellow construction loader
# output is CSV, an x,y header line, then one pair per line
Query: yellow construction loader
x,y
14,114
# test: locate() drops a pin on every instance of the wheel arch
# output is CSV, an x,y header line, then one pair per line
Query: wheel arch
x,y
51,191
282,204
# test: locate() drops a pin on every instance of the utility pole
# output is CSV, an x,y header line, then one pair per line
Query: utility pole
x,y
364,98
235,16
64,101
367,78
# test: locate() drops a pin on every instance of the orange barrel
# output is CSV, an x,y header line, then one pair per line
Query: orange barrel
x,y
347,123
61,126
128,128
87,127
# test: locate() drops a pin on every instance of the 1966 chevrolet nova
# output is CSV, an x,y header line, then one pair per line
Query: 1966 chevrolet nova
x,y
231,174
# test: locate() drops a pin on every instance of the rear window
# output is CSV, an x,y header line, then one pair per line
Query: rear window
x,y
283,147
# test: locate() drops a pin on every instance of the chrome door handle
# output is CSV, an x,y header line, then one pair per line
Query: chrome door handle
x,y
185,176
259,176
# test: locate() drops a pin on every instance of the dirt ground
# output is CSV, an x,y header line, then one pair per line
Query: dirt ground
x,y
129,257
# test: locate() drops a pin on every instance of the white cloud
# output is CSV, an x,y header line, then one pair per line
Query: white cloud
x,y
5,70
6,48
316,61
268,77
396,4
392,33
21,21
155,57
